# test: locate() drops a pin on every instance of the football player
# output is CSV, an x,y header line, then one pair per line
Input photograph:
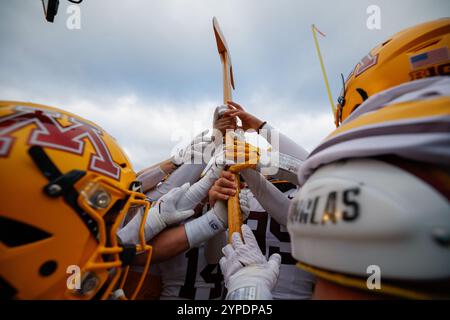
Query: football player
x,y
371,218
186,270
59,240
61,243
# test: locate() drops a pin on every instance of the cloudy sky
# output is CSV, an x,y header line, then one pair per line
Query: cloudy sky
x,y
148,71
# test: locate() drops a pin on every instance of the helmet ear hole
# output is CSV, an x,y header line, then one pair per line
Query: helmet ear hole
x,y
362,93
48,268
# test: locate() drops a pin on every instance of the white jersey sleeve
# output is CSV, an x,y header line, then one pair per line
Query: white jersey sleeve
x,y
151,177
271,199
186,173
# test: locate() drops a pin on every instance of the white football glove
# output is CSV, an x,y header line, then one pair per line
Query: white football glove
x,y
214,221
193,151
247,273
163,213
199,190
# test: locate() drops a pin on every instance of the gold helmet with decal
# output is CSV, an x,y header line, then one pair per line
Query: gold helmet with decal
x,y
66,187
414,53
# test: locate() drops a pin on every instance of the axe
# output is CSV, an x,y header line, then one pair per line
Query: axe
x,y
234,210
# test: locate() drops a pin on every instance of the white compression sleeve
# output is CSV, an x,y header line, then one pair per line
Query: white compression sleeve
x,y
151,178
273,200
199,190
186,173
203,228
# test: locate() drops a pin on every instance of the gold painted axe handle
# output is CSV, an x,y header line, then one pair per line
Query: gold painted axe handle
x,y
234,208
234,211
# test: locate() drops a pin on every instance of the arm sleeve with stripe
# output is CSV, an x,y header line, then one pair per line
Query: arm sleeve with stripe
x,y
290,155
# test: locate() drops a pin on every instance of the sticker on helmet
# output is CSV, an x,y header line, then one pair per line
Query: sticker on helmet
x,y
335,206
437,70
434,56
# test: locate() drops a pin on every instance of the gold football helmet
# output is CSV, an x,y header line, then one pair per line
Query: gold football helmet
x,y
66,188
414,53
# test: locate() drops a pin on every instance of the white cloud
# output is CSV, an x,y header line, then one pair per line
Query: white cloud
x,y
148,71
149,131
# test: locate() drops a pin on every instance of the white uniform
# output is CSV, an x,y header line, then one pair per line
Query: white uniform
x,y
293,283
189,276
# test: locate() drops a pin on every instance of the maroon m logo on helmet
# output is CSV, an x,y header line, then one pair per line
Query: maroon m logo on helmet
x,y
50,133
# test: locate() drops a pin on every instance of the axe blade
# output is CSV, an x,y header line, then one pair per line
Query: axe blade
x,y
222,47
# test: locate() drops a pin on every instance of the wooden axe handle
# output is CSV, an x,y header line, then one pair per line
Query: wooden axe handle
x,y
234,211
